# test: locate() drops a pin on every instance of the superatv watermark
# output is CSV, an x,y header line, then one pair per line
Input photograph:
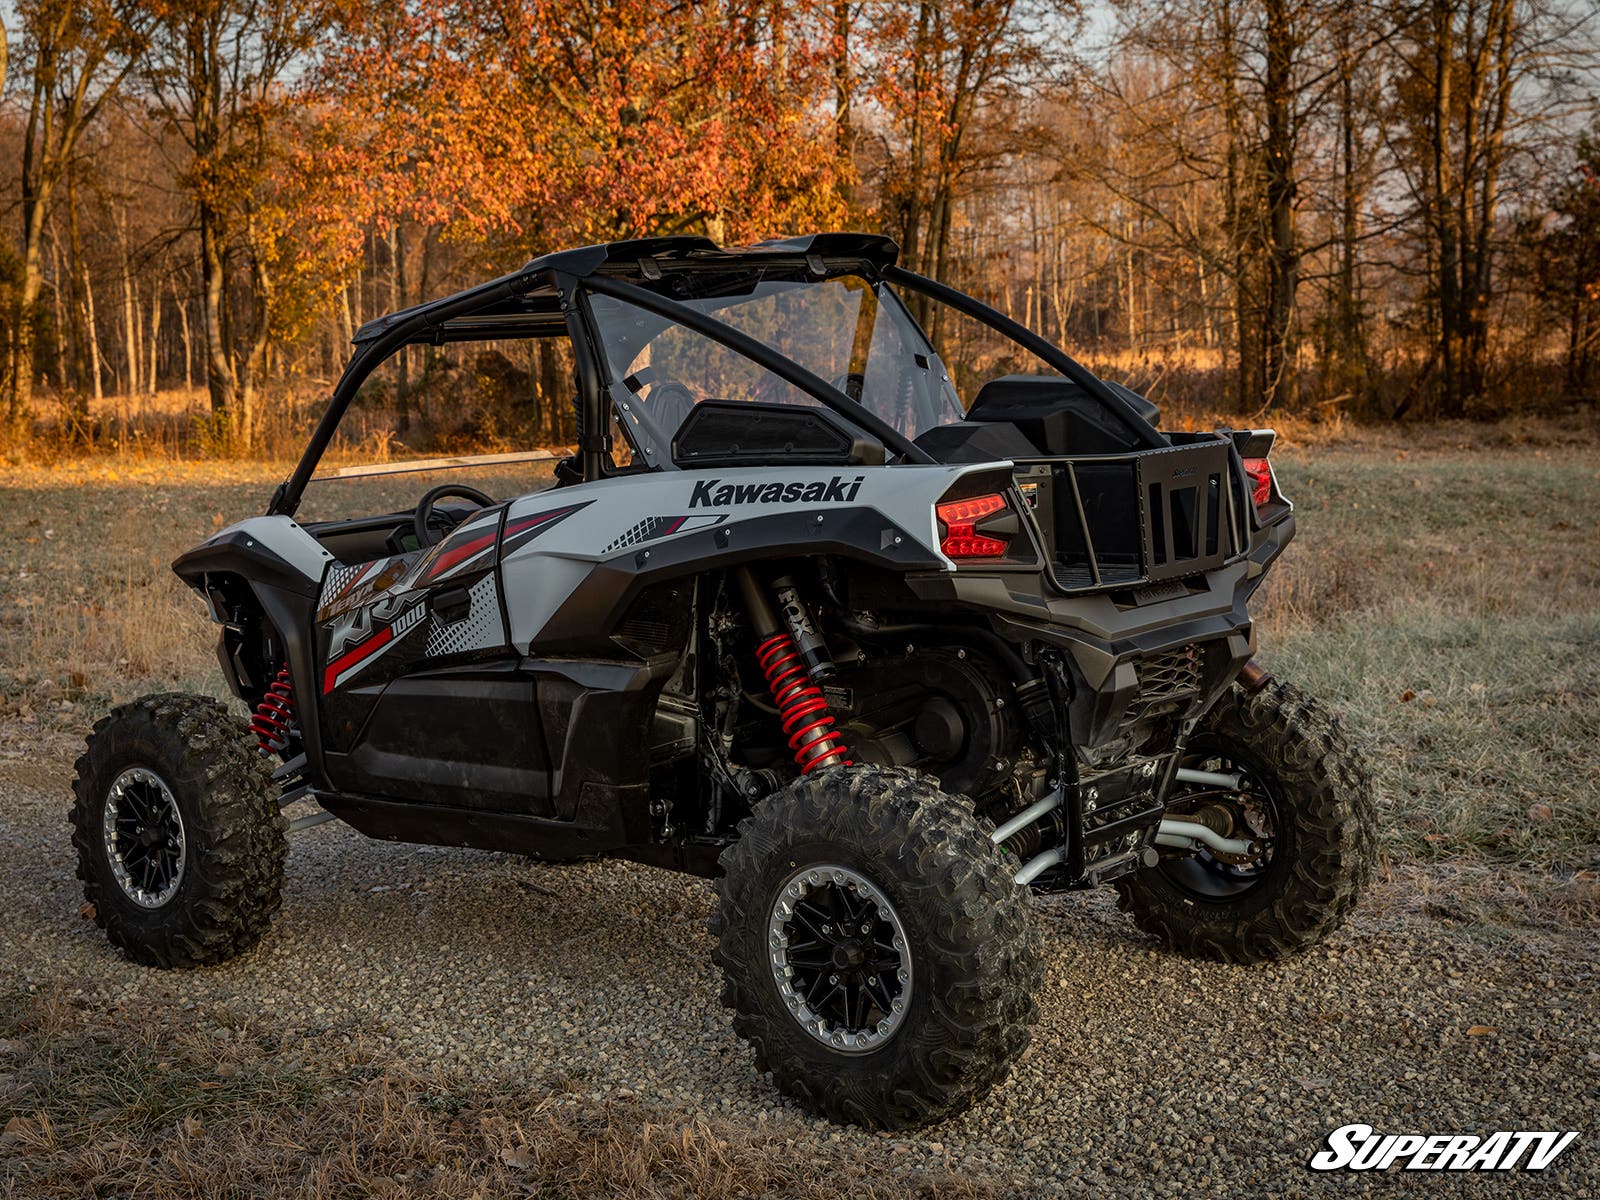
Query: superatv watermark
x,y
1362,1148
713,493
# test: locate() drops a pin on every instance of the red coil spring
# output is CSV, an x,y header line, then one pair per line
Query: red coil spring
x,y
801,705
274,719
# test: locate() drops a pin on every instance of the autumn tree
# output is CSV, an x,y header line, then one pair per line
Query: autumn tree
x,y
1568,254
946,76
217,73
75,54
1479,92
540,122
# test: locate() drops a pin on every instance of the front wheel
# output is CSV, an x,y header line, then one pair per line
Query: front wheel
x,y
878,956
1278,772
180,842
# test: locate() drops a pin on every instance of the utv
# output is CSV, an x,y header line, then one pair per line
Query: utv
x,y
884,655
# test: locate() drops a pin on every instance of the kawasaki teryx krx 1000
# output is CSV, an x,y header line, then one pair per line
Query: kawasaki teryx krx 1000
x,y
883,642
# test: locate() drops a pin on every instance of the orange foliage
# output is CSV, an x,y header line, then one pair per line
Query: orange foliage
x,y
548,122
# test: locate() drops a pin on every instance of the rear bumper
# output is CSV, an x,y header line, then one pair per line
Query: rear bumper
x,y
1120,645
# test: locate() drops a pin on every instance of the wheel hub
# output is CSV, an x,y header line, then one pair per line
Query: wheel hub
x,y
848,956
840,958
145,842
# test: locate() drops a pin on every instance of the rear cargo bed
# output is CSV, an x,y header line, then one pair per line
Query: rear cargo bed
x,y
1146,517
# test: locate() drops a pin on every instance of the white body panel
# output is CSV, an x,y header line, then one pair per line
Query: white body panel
x,y
287,540
540,574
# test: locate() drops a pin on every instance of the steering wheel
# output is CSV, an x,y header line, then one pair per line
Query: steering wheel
x,y
422,521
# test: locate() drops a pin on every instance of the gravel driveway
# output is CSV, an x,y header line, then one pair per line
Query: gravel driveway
x,y
1149,1074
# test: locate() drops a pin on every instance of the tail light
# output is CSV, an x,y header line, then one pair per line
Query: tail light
x,y
979,527
1254,445
1260,473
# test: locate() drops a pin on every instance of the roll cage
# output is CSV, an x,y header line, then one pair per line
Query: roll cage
x,y
549,297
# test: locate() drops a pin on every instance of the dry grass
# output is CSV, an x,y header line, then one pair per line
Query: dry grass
x,y
92,611
178,1105
1446,602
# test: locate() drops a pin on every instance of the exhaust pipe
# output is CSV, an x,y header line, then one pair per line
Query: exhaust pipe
x,y
1253,677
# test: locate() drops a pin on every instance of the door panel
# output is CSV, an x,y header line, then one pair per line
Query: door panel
x,y
464,736
422,698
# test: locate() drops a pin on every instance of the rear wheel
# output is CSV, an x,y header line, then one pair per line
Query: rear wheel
x,y
179,839
1287,778
877,954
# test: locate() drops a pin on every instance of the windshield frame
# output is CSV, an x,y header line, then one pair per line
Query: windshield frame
x,y
764,356
879,307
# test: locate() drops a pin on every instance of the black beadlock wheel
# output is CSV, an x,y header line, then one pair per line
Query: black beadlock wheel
x,y
180,843
877,955
1307,796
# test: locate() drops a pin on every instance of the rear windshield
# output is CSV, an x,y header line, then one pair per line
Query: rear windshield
x,y
851,333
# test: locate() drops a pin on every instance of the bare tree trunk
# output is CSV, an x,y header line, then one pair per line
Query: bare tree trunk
x,y
1238,216
1444,188
844,136
1349,338
220,378
1283,256
911,219
151,366
262,292
1497,54
202,83
87,352
63,320
553,403
398,300
35,198
130,308
92,327
780,45
188,342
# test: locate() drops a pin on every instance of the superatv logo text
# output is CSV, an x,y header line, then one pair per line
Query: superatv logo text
x,y
713,493
1361,1148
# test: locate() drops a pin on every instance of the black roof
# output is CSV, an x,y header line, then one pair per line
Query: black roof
x,y
527,296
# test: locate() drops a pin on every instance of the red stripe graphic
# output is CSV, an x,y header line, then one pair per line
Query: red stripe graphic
x,y
351,657
530,522
459,554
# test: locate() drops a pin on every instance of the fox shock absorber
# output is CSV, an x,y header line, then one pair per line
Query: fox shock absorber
x,y
273,721
796,619
802,708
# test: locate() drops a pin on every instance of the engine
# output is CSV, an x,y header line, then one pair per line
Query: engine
x,y
939,708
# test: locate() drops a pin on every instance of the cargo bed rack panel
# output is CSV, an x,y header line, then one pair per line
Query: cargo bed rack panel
x,y
1125,520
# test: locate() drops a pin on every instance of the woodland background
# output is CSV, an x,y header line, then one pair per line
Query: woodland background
x,y
1373,209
